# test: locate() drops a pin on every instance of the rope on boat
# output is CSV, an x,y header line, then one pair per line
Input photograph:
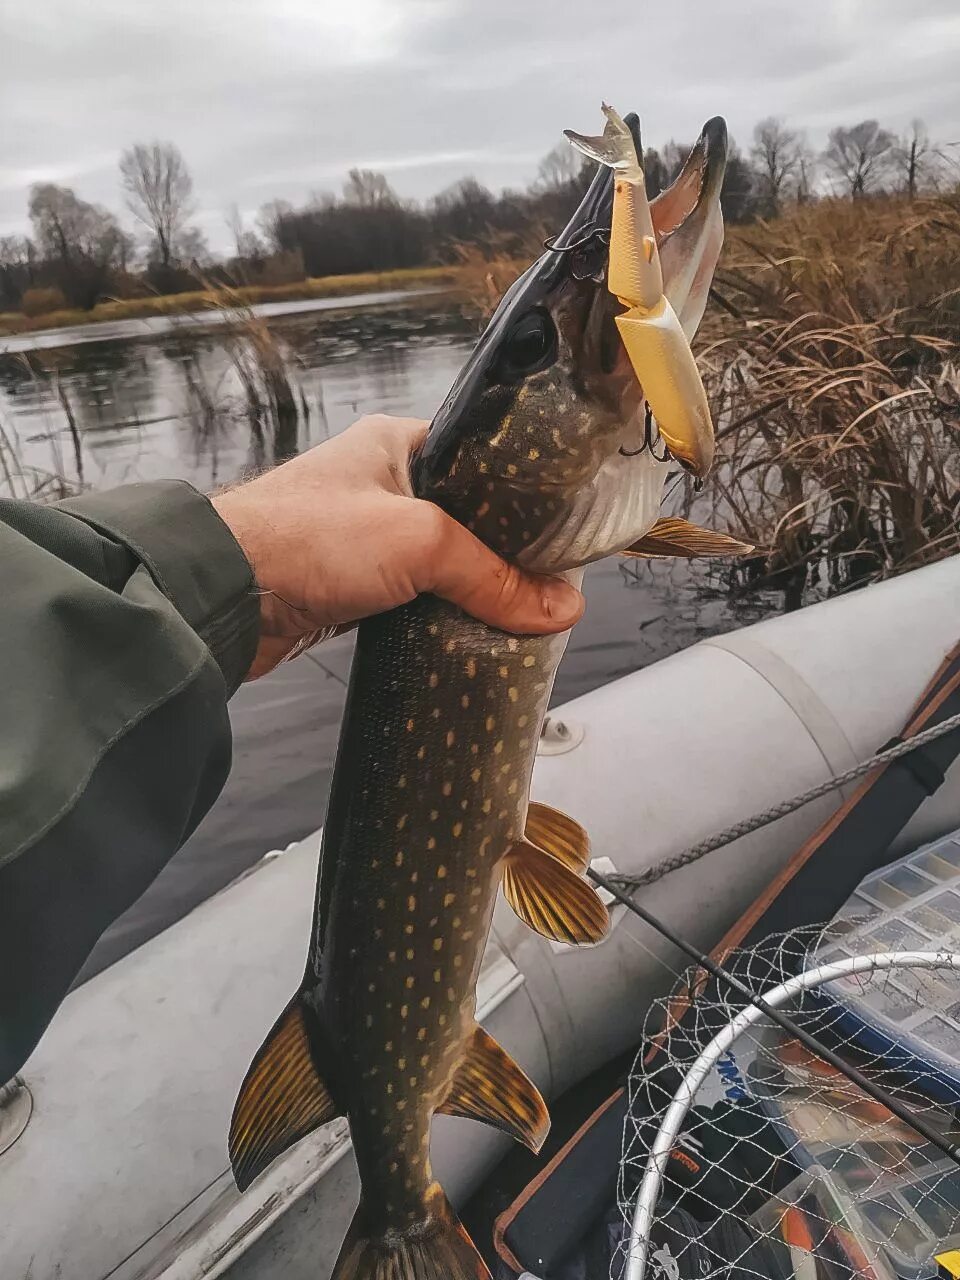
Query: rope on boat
x,y
650,875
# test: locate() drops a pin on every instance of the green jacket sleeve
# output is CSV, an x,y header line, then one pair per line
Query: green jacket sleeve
x,y
127,619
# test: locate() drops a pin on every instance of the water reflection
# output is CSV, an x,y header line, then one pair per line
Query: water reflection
x,y
183,404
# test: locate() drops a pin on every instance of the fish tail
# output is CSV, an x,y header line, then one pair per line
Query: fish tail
x,y
436,1248
614,148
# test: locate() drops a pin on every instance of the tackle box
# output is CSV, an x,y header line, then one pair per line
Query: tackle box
x,y
909,1017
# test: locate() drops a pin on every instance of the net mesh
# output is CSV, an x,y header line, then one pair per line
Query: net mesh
x,y
783,1167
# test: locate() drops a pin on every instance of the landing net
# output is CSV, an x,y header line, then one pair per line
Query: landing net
x,y
765,1161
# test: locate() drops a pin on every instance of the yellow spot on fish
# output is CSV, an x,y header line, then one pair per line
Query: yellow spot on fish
x,y
435,713
475,775
434,680
456,922
465,700
529,660
409,984
434,814
371,986
533,455
450,646
512,789
474,749
522,721
408,928
431,843
457,829
401,1104
389,1090
425,1002
442,1019
457,961
394,1166
450,737
438,944
388,1046
483,508
471,667
414,877
392,957
511,469
447,788
398,858
410,953
433,628
401,822
449,899
490,724
498,747
413,1085
402,781
421,752
513,693
410,726
411,903
487,806
503,672
424,1059
451,994
381,904
404,1010
441,872
436,975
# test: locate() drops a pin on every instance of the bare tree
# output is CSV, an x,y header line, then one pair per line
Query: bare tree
x,y
859,155
558,168
776,156
368,189
158,186
247,243
916,161
270,221
806,178
83,242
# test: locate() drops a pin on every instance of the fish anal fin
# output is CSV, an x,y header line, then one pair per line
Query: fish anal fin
x,y
673,536
281,1100
489,1086
551,898
559,834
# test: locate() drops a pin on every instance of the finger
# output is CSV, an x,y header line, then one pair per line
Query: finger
x,y
467,573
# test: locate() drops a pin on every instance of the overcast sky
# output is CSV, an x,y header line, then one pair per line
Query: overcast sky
x,y
274,98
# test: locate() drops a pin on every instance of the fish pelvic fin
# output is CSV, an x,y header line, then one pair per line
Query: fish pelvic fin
x,y
489,1086
436,1248
672,536
550,897
558,834
281,1100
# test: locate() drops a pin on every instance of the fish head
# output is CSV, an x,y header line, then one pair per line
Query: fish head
x,y
544,446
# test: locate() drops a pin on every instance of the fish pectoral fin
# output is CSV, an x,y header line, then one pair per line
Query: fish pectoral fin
x,y
673,536
551,898
281,1100
489,1086
559,834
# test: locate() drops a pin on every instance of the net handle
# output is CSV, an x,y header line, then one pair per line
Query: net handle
x,y
684,1098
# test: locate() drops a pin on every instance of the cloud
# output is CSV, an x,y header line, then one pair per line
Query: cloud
x,y
281,97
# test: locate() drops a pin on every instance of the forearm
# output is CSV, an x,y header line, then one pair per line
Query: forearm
x,y
128,618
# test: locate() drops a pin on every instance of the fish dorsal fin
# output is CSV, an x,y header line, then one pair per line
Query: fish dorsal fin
x,y
551,898
281,1100
559,834
489,1086
673,536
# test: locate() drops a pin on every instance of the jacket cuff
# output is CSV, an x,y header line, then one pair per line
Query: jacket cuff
x,y
193,558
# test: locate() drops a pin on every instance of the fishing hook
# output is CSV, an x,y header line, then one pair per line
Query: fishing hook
x,y
648,440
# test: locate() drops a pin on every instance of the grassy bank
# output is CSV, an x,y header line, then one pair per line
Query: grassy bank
x,y
200,300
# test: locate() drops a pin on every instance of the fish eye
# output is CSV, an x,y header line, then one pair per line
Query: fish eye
x,y
530,345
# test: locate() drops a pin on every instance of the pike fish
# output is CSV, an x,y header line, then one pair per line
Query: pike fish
x,y
552,446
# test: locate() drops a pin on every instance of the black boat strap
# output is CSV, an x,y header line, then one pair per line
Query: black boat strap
x,y
922,765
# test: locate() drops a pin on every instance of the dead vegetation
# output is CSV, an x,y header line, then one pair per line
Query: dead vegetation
x,y
831,354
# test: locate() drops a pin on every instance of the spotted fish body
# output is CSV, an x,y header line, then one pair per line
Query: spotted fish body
x,y
538,449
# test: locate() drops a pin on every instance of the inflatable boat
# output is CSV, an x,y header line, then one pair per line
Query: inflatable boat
x,y
113,1158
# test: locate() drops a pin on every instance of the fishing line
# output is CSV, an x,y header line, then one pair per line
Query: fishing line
x,y
721,975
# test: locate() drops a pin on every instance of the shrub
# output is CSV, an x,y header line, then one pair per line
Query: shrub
x,y
37,302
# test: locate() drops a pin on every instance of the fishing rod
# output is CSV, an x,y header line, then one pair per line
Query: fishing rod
x,y
913,1121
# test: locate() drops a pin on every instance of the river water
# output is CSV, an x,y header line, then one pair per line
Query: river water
x,y
169,398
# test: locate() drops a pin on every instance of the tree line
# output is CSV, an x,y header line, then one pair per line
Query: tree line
x,y
79,253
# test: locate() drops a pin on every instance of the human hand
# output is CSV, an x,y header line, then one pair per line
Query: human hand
x,y
336,534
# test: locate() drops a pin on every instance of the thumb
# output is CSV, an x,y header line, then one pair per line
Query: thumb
x,y
466,572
